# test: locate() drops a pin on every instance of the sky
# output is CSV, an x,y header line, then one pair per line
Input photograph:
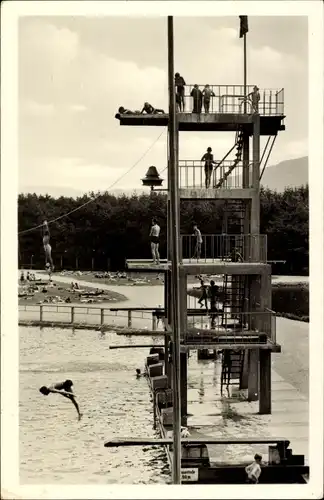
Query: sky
x,y
74,73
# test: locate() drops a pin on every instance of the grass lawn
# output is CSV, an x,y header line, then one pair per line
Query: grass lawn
x,y
45,292
130,278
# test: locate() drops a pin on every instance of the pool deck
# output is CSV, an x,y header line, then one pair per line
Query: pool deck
x,y
212,415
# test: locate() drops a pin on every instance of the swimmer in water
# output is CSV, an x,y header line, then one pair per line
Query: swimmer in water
x,y
139,374
47,247
63,388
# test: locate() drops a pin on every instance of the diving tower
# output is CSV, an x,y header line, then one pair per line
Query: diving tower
x,y
245,324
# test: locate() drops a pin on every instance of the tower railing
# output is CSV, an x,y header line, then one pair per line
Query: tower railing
x,y
233,327
192,175
230,98
224,247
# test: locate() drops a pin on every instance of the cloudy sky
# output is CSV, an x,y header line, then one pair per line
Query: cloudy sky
x,y
74,72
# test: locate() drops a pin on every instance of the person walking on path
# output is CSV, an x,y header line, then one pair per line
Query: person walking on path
x,y
199,241
207,95
63,388
197,98
253,471
208,158
155,239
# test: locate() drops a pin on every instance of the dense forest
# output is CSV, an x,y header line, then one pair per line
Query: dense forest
x,y
109,229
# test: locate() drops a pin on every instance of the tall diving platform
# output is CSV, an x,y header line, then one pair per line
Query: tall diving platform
x,y
237,319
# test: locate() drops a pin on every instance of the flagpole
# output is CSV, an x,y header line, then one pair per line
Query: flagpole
x,y
174,247
245,72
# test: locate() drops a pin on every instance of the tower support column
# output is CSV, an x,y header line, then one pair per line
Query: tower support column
x,y
184,383
245,371
265,382
255,202
253,376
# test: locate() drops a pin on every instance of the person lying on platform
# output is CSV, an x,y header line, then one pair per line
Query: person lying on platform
x,y
124,111
207,95
150,110
139,374
253,471
208,158
63,388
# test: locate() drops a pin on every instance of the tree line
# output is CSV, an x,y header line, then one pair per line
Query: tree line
x,y
112,228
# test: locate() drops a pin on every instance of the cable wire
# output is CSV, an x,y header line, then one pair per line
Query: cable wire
x,y
96,197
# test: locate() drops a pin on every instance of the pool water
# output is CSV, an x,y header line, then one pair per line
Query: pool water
x,y
57,448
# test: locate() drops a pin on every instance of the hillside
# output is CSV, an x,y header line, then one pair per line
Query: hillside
x,y
293,173
289,173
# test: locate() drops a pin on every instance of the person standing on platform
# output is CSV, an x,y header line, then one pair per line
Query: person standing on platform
x,y
155,239
255,98
180,90
213,296
199,241
253,471
197,97
204,295
208,158
207,95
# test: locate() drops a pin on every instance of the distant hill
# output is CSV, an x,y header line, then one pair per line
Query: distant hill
x,y
289,173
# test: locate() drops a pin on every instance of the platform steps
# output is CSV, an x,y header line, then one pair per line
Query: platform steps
x,y
234,295
232,368
238,154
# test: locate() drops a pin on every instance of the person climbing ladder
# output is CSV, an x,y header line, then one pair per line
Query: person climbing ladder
x,y
47,247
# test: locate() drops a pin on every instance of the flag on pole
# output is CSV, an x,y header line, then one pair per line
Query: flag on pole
x,y
244,28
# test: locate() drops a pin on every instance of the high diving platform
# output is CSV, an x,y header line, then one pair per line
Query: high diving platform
x,y
211,122
229,110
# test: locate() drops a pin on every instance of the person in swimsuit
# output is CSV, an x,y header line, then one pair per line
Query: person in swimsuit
x,y
204,296
180,90
47,246
213,297
149,110
207,95
208,158
253,471
197,98
155,238
63,388
255,99
199,242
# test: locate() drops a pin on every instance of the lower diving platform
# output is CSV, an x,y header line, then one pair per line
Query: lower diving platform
x,y
203,266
